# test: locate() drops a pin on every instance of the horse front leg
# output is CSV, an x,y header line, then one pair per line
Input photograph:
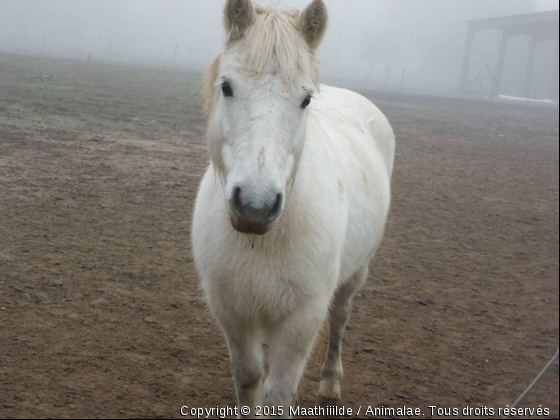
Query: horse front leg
x,y
246,356
290,344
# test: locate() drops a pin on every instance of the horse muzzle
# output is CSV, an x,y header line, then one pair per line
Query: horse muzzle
x,y
254,216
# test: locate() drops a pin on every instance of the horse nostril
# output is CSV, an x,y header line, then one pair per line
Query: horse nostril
x,y
236,204
275,210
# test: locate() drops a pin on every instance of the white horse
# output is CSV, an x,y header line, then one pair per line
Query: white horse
x,y
294,203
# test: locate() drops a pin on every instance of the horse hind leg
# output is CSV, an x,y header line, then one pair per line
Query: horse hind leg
x,y
341,308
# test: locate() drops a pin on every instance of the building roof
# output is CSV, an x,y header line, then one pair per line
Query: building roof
x,y
541,24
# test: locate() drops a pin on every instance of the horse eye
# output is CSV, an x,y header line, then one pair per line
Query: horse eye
x,y
227,90
306,102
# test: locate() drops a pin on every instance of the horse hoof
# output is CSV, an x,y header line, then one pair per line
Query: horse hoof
x,y
325,402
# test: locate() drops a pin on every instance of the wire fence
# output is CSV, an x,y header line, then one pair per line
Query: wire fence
x,y
184,55
532,385
106,48
401,79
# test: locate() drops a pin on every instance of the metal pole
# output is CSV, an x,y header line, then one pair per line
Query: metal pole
x,y
175,53
467,60
554,82
530,67
402,79
497,85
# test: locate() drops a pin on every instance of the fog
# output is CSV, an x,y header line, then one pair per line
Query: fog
x,y
410,45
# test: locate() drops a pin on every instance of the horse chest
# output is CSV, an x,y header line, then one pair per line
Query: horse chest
x,y
256,284
266,295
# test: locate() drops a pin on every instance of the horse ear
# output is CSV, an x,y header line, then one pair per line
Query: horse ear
x,y
238,16
313,23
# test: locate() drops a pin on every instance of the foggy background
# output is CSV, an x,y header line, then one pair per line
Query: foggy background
x,y
410,45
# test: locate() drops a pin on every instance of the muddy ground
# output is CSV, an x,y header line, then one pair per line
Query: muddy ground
x,y
100,311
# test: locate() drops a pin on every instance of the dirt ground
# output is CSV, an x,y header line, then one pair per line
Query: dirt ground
x,y
101,315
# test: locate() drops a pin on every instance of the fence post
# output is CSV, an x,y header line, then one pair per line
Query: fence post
x,y
388,74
